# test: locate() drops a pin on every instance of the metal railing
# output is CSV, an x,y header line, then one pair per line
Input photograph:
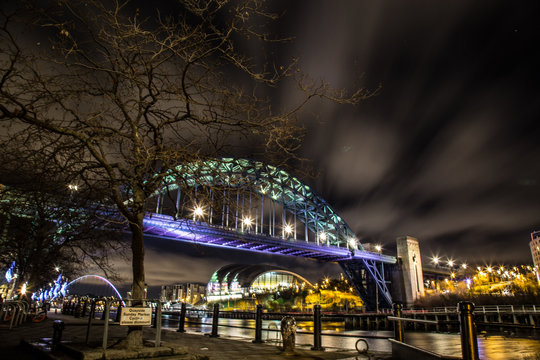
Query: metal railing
x,y
465,310
14,311
485,309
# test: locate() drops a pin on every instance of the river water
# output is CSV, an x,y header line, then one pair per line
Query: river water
x,y
491,347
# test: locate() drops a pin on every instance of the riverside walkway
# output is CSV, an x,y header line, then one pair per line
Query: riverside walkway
x,y
186,345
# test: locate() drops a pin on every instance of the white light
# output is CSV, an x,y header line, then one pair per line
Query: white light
x,y
247,221
464,265
23,288
288,229
352,242
322,236
198,211
450,263
435,260
73,187
378,248
57,269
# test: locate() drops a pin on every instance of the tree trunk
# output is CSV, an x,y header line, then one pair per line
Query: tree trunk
x,y
138,294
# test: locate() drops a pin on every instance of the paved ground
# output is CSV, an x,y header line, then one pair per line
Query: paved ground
x,y
197,345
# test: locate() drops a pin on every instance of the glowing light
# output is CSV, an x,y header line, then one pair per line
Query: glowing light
x,y
57,269
352,243
378,248
450,262
464,265
322,236
452,275
247,221
288,229
23,288
489,269
198,211
73,187
435,260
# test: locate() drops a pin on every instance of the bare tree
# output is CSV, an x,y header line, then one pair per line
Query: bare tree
x,y
124,99
45,232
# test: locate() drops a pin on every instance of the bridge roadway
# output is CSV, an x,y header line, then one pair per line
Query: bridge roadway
x,y
164,226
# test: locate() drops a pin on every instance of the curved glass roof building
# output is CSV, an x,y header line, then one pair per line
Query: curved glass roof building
x,y
239,280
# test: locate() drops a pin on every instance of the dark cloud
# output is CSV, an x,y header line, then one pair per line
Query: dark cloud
x,y
448,151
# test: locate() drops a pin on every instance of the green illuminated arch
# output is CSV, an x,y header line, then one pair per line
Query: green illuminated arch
x,y
268,181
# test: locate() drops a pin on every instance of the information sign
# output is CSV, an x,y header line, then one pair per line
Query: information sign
x,y
136,316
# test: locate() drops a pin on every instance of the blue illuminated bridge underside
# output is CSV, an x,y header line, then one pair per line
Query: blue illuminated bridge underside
x,y
248,205
165,226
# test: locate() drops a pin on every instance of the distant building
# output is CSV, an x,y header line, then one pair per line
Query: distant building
x,y
190,293
535,250
241,281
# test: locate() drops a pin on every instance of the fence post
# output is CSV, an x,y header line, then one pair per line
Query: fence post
x,y
317,328
258,325
469,343
90,317
215,319
398,325
182,318
118,312
106,311
158,324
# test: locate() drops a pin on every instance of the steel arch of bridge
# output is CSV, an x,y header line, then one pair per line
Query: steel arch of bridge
x,y
331,238
270,182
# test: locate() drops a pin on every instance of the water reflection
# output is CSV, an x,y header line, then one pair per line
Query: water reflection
x,y
496,347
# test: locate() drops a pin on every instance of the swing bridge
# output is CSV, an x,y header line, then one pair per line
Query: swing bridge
x,y
251,206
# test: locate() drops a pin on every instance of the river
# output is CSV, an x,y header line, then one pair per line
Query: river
x,y
491,346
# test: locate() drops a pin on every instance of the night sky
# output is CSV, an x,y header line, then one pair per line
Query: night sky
x,y
447,151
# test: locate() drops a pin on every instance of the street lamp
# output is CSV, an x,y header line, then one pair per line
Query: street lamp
x,y
198,212
435,260
451,263
378,247
247,222
288,229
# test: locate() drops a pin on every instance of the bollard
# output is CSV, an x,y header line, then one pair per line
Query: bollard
x,y
77,312
118,312
469,343
398,325
182,318
288,334
258,325
103,312
158,324
58,327
84,307
317,328
215,319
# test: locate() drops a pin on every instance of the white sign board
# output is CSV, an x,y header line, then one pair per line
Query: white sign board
x,y
136,316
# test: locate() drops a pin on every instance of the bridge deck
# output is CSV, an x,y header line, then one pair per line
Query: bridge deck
x,y
164,226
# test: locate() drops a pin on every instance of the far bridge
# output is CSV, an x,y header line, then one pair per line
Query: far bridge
x,y
248,205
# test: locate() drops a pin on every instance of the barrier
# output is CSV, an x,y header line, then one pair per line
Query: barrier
x,y
469,342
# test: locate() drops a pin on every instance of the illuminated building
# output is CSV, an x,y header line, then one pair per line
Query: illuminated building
x,y
241,281
190,293
535,249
